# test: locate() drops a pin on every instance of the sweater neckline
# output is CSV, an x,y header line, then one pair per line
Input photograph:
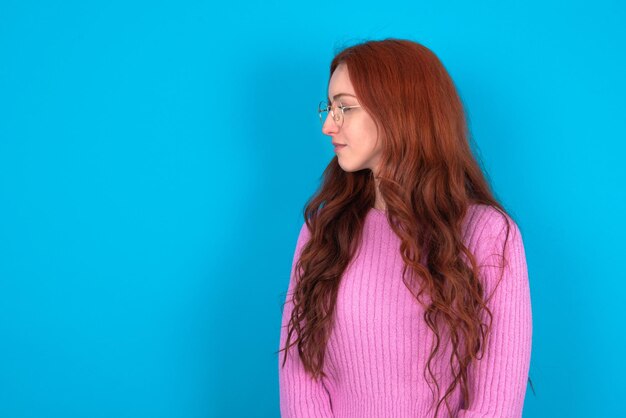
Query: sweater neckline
x,y
378,211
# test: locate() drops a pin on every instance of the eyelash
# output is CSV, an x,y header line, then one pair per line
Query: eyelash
x,y
341,104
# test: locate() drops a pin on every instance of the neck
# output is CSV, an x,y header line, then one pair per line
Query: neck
x,y
379,203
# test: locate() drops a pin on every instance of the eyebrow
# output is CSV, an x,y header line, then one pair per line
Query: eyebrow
x,y
341,94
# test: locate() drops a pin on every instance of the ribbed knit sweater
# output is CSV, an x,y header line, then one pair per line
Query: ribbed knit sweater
x,y
380,343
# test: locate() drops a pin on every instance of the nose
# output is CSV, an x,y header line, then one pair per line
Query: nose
x,y
330,126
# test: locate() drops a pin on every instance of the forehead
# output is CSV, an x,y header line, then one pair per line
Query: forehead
x,y
340,83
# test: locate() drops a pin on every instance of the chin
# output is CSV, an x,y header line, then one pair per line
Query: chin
x,y
346,165
349,168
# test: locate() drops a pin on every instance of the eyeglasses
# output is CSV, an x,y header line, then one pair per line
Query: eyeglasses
x,y
338,116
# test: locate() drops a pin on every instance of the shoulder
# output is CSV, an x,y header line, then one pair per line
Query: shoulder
x,y
487,220
304,233
486,229
303,237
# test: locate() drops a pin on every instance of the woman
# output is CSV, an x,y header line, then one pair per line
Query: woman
x,y
409,292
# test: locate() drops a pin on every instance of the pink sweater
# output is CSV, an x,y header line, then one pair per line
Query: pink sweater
x,y
380,343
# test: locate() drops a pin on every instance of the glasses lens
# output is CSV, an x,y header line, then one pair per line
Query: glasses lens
x,y
338,114
323,110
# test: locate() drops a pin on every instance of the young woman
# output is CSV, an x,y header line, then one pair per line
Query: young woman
x,y
409,292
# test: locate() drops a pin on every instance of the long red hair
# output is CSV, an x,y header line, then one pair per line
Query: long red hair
x,y
428,178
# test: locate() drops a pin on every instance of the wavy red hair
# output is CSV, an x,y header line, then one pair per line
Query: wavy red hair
x,y
428,178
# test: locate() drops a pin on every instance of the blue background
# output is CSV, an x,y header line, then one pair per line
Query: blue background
x,y
155,158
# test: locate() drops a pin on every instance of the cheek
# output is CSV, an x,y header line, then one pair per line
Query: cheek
x,y
370,134
371,144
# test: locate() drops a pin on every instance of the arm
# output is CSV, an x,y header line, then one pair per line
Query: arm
x,y
497,382
300,395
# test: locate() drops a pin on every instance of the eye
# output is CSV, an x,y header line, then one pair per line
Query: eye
x,y
347,108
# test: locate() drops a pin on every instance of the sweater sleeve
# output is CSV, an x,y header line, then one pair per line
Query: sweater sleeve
x,y
301,396
497,381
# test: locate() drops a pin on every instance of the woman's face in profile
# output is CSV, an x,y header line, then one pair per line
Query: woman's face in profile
x,y
358,131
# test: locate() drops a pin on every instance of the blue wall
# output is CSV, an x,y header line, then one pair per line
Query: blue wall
x,y
155,158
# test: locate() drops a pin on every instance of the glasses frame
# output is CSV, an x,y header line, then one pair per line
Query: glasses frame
x,y
338,117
